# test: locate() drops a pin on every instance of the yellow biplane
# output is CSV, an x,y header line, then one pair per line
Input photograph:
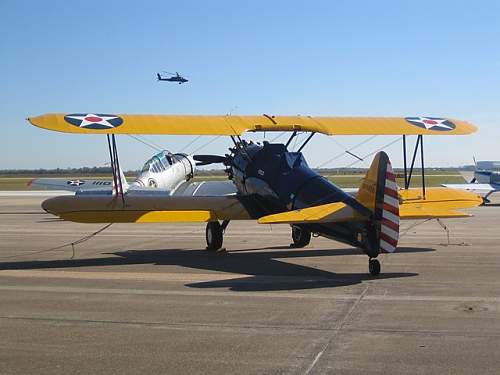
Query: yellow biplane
x,y
267,182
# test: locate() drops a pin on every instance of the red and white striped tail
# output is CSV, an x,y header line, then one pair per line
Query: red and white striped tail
x,y
389,229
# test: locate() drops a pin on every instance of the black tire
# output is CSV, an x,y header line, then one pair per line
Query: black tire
x,y
300,236
374,267
214,235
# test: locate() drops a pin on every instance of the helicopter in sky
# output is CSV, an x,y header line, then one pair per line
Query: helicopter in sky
x,y
173,77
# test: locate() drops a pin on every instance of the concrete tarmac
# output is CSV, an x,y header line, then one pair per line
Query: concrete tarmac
x,y
147,298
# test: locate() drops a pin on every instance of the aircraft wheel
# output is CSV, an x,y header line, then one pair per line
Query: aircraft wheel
x,y
214,235
300,237
374,267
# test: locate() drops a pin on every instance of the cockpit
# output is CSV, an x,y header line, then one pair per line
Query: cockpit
x,y
159,162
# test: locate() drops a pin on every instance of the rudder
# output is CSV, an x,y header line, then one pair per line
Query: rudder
x,y
379,193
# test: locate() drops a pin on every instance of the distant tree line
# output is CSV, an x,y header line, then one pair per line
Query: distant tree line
x,y
106,171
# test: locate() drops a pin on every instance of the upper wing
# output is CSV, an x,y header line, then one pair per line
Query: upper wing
x,y
89,123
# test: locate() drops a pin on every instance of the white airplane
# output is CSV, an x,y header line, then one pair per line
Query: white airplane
x,y
164,171
486,180
164,174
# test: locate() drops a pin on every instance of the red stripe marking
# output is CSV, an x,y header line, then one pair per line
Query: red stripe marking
x,y
390,176
391,193
391,209
391,225
388,239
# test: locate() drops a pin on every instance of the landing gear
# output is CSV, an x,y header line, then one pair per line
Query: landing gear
x,y
214,234
300,236
374,267
486,200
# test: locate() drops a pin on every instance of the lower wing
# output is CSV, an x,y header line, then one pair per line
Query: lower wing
x,y
142,206
438,203
75,184
481,189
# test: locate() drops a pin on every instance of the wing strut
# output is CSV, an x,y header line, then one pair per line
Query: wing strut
x,y
409,172
306,141
115,167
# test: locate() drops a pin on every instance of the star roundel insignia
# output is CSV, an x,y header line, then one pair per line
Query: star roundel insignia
x,y
75,182
431,123
93,121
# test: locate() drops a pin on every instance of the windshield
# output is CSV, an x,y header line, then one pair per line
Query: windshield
x,y
158,163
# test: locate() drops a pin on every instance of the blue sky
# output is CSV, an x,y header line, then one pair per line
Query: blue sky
x,y
359,58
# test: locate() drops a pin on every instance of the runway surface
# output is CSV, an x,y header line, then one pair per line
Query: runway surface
x,y
148,299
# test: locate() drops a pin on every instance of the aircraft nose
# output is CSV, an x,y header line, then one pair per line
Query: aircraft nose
x,y
193,163
48,205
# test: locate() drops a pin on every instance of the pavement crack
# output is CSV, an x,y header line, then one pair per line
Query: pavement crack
x,y
336,330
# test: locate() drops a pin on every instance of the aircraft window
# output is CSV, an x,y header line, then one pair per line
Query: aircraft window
x,y
166,160
158,164
146,167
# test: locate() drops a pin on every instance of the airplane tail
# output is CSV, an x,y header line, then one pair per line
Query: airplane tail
x,y
158,75
121,180
379,193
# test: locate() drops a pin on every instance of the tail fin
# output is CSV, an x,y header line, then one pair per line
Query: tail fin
x,y
379,193
123,181
159,77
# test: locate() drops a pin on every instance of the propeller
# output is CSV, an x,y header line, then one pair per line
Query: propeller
x,y
209,159
174,74
475,168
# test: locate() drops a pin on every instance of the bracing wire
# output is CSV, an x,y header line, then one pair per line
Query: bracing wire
x,y
377,150
72,244
345,150
278,136
190,143
144,142
206,144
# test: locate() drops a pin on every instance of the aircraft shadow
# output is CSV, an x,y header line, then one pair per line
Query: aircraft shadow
x,y
265,270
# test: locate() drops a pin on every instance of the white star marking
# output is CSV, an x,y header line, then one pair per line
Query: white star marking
x,y
76,182
103,122
430,123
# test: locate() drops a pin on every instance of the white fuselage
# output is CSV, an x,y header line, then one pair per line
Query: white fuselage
x,y
166,171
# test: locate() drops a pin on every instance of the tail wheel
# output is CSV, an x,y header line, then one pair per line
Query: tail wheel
x,y
374,267
214,235
300,237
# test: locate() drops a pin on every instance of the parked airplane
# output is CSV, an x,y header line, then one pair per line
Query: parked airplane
x,y
165,171
269,183
486,180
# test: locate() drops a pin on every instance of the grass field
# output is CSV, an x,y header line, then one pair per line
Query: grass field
x,y
342,180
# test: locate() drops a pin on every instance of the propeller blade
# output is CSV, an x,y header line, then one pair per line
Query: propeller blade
x,y
209,159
